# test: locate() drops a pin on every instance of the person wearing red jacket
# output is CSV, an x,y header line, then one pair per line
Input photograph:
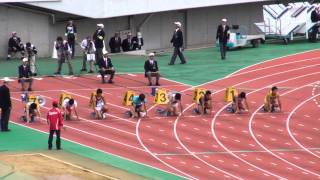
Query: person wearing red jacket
x,y
55,122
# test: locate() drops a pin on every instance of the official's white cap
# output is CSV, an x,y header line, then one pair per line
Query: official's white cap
x,y
100,25
14,32
105,52
25,60
178,23
6,79
151,54
224,20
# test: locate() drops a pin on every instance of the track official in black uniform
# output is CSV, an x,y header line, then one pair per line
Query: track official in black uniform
x,y
151,69
106,67
71,33
98,39
5,106
177,41
223,36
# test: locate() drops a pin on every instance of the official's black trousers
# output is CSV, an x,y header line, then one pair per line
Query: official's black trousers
x,y
177,52
5,115
223,49
58,140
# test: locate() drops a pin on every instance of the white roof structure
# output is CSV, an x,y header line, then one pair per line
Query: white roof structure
x,y
116,8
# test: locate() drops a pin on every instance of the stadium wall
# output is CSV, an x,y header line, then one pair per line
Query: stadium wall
x,y
199,26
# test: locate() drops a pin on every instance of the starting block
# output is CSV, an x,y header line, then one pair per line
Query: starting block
x,y
161,97
40,101
63,97
198,93
93,94
127,100
230,93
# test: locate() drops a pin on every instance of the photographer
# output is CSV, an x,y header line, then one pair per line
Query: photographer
x,y
89,50
14,45
30,52
64,51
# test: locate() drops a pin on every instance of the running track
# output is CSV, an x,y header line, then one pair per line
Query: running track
x,y
225,146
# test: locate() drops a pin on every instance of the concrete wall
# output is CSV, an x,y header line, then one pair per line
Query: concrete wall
x,y
199,26
30,26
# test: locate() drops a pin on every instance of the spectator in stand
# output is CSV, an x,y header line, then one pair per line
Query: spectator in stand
x,y
137,41
127,43
71,33
315,18
115,43
14,45
98,39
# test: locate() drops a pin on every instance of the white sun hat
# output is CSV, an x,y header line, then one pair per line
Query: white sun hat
x,y
100,25
178,23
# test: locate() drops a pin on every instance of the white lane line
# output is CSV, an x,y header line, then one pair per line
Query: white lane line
x,y
91,134
222,145
261,145
289,129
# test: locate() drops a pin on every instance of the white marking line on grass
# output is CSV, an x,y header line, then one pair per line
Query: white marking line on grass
x,y
261,145
289,129
91,134
222,145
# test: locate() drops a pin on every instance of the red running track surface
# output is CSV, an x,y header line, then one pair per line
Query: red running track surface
x,y
220,145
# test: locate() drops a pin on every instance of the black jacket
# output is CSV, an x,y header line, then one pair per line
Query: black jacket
x,y
14,42
177,39
5,100
70,31
148,67
24,72
126,45
98,42
223,36
315,17
102,63
135,43
115,44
